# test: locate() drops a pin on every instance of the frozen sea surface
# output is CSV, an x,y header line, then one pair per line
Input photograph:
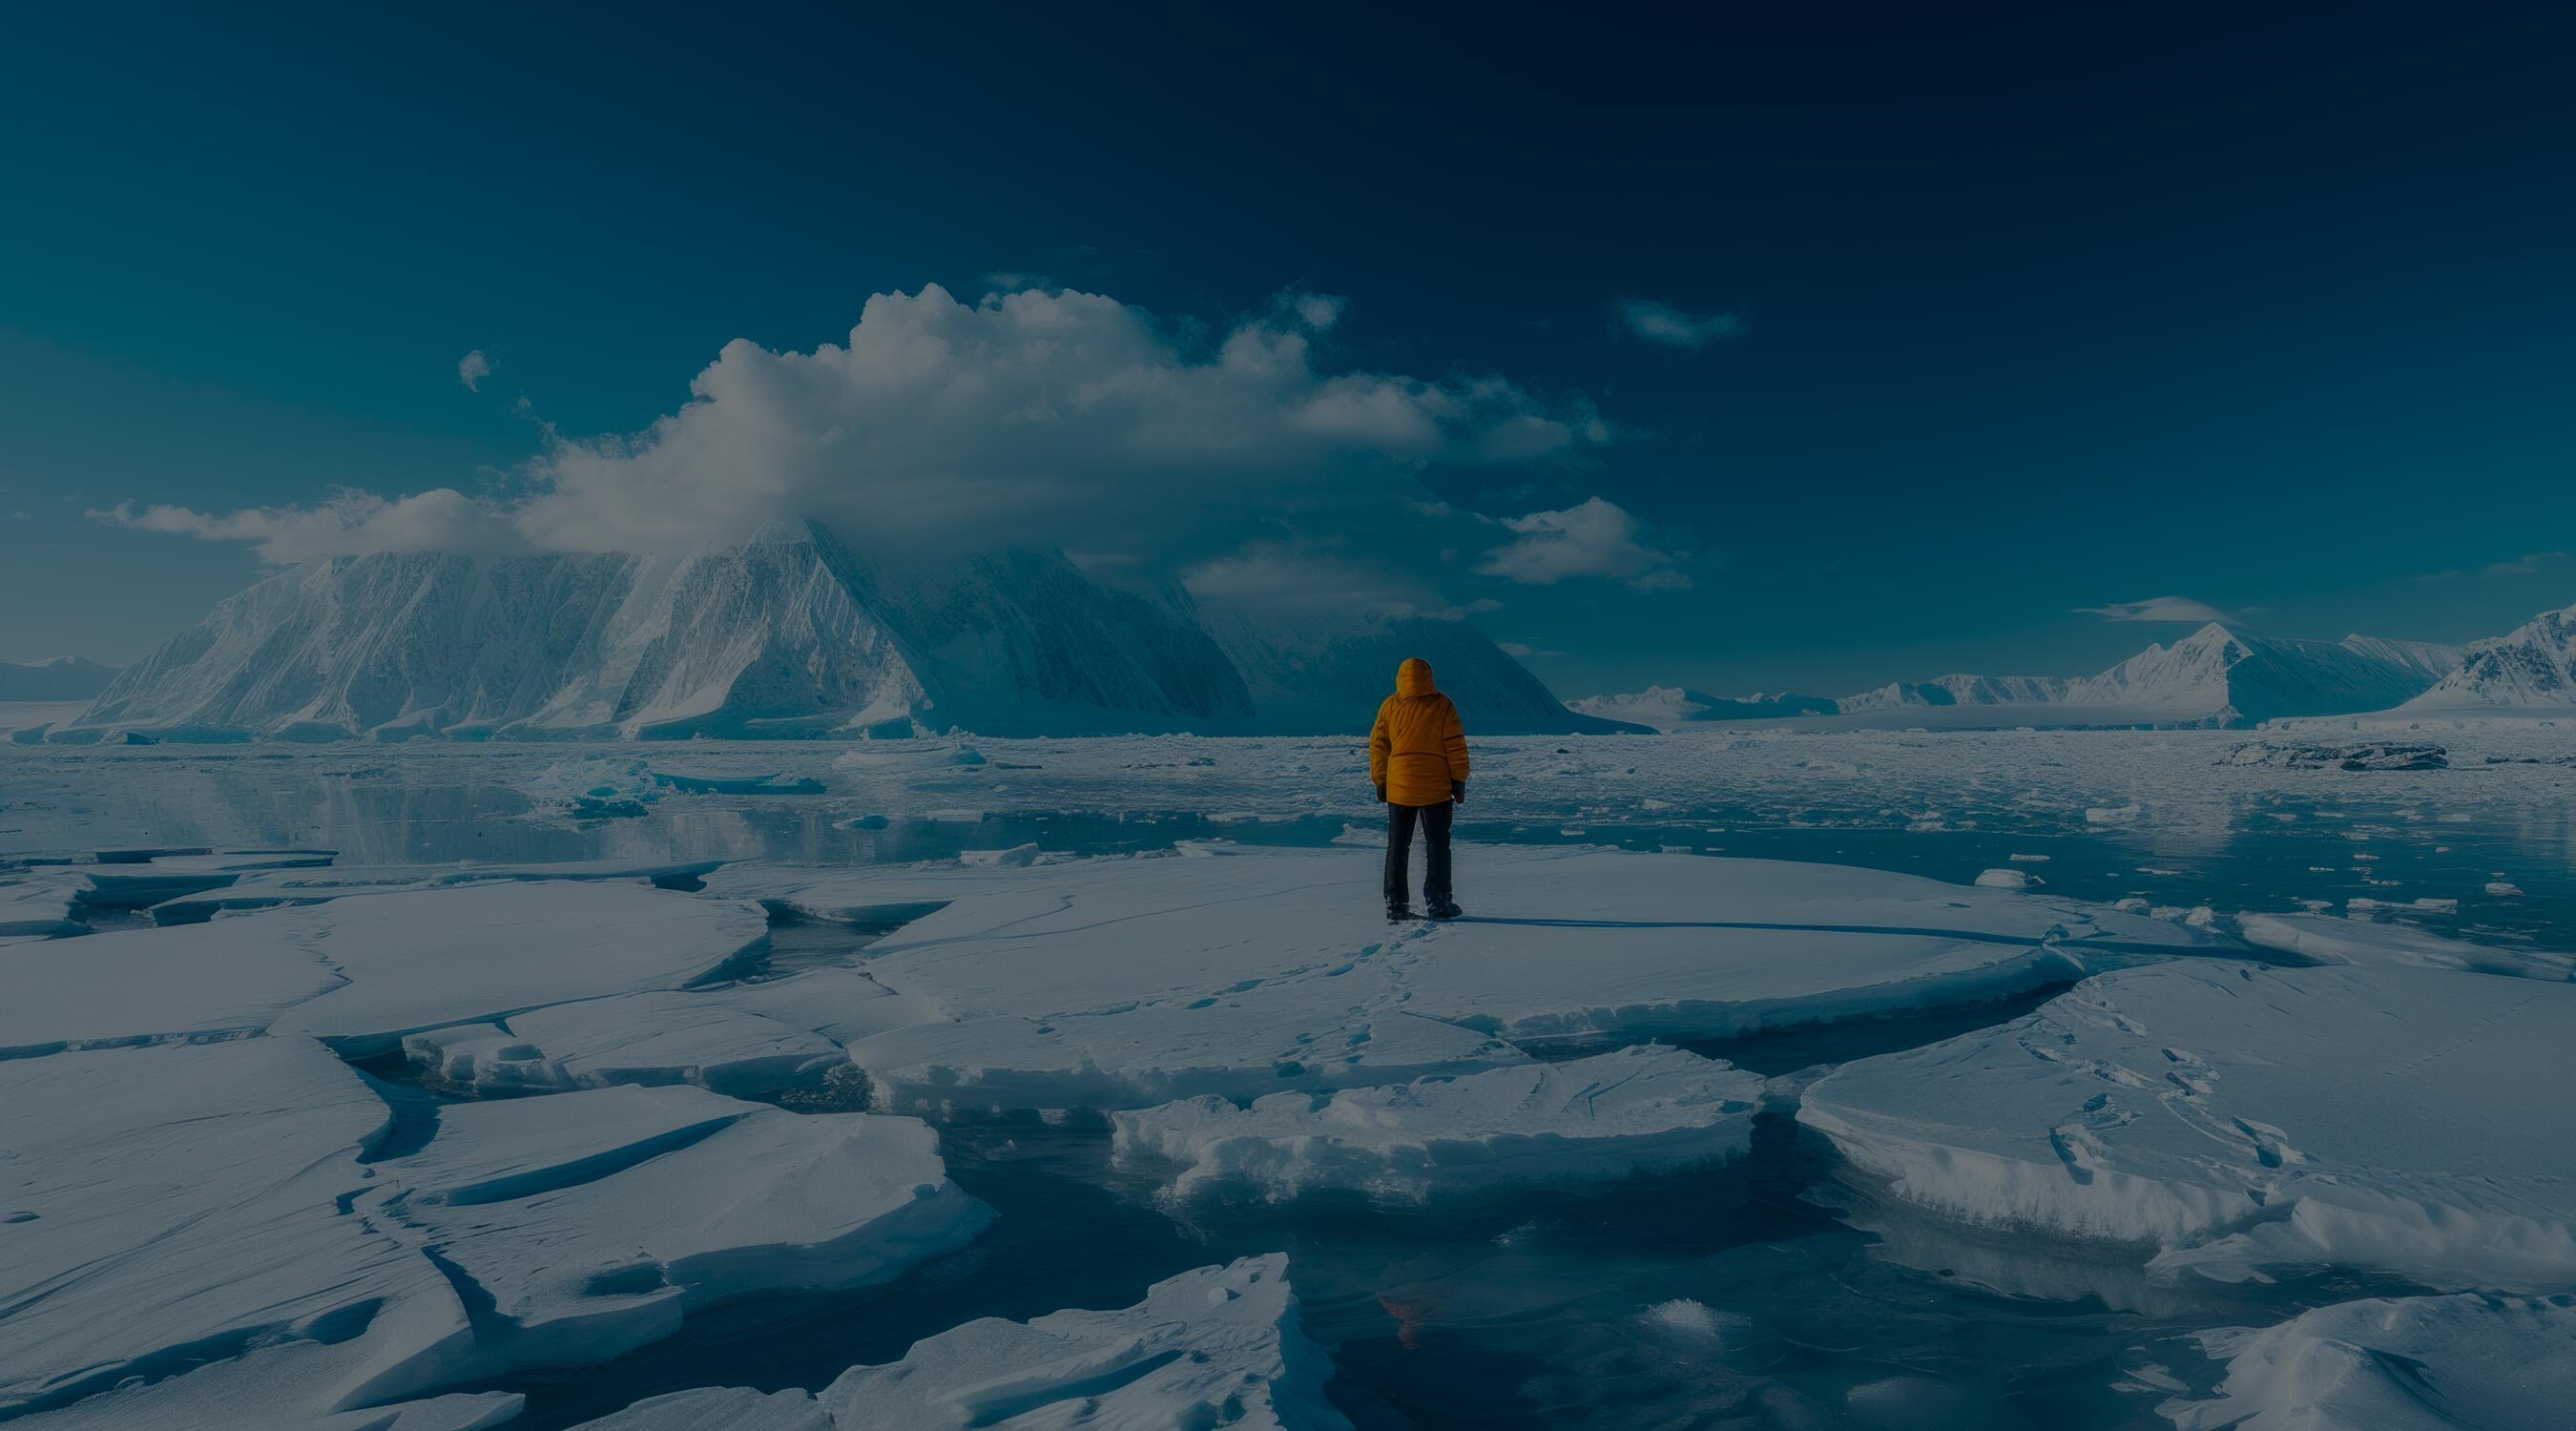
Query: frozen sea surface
x,y
443,1086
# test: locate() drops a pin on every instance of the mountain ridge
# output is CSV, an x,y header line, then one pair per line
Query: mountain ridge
x,y
787,634
2216,676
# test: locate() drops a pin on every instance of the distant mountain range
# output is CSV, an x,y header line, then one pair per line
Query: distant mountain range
x,y
789,634
2531,669
64,678
2217,676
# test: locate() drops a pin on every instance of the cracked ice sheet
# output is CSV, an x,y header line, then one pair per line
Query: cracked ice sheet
x,y
1217,1346
420,960
38,905
2239,1118
263,889
134,985
1122,983
2331,940
2469,1363
583,1225
1598,1118
159,1205
653,1038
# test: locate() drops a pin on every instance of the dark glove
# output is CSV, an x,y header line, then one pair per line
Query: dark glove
x,y
1458,791
1381,794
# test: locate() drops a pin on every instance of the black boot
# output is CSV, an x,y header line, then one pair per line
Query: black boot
x,y
1445,909
1398,913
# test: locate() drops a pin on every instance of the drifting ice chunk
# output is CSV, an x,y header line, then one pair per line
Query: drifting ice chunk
x,y
2353,941
2007,879
2408,1364
475,952
1219,1346
1593,1118
138,985
2239,1118
160,1206
651,1038
134,879
592,1220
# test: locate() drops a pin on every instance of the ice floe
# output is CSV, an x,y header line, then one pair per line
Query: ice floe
x,y
1596,1118
591,1221
2329,940
141,985
2234,1119
2466,1363
163,1206
1218,1346
649,1038
1116,983
421,960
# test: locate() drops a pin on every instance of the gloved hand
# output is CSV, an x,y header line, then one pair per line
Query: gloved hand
x,y
1381,794
1458,792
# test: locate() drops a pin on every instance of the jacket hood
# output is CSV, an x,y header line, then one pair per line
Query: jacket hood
x,y
1413,678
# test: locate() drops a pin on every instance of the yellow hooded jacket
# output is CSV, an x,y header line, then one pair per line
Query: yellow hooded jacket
x,y
1417,747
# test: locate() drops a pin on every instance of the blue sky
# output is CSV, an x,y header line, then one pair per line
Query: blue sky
x,y
1864,348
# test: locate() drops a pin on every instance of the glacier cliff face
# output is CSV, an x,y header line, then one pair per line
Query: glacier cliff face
x,y
788,634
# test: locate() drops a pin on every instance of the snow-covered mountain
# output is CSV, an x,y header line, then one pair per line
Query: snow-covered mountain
x,y
2216,676
64,678
2532,668
788,634
1664,707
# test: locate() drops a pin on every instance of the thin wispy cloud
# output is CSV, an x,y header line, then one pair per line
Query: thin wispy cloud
x,y
2158,608
1673,327
2528,564
472,369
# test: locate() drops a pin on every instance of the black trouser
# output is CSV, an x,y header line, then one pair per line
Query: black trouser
x,y
1400,820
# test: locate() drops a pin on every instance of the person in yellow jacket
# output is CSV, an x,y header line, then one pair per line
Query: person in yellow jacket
x,y
1418,760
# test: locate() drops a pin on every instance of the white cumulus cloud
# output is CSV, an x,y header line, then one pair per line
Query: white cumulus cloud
x,y
472,369
1594,538
1663,323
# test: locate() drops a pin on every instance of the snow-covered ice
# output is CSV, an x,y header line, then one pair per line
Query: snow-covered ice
x,y
1126,983
649,1038
1213,1347
2464,1363
593,1220
160,1206
2329,940
139,985
1602,1117
2233,1119
420,960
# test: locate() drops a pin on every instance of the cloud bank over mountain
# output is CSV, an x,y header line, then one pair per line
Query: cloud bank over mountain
x,y
1058,419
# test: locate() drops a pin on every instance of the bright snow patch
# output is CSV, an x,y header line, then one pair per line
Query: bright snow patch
x,y
2469,1363
2237,1118
1593,1118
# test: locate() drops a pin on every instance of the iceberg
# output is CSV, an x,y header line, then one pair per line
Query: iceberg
x,y
2466,1363
1599,1118
2231,1120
